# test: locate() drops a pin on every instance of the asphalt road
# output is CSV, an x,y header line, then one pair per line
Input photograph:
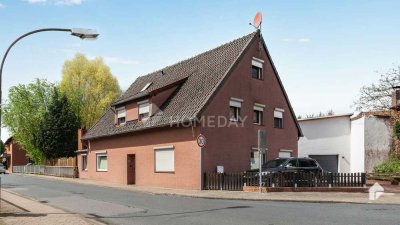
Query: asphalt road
x,y
115,206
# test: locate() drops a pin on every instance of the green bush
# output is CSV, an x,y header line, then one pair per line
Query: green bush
x,y
390,166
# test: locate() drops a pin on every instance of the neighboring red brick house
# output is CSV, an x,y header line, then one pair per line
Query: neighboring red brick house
x,y
148,136
14,155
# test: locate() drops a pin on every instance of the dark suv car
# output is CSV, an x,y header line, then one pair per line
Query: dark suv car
x,y
288,172
291,165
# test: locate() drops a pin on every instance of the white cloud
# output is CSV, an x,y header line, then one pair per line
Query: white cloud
x,y
108,59
68,2
36,1
300,40
116,60
56,2
304,40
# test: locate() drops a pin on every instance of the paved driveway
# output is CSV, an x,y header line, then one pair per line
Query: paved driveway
x,y
115,206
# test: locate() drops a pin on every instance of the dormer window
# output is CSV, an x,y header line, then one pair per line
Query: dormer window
x,y
144,110
256,68
146,86
121,115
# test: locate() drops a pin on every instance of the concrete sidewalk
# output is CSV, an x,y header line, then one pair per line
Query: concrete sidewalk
x,y
16,209
324,197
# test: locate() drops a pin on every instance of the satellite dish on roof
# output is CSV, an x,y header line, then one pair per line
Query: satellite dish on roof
x,y
257,20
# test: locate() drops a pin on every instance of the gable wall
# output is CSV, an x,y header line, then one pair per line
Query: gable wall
x,y
231,146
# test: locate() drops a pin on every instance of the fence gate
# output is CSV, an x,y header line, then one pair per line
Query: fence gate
x,y
224,181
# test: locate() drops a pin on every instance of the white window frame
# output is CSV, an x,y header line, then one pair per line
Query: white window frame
x,y
164,149
121,115
260,108
237,104
98,155
83,165
278,113
259,64
142,106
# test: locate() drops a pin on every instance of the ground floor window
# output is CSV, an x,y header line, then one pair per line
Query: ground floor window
x,y
285,153
84,162
255,159
101,162
164,159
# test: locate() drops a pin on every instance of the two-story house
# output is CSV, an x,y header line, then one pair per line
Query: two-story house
x,y
14,155
149,135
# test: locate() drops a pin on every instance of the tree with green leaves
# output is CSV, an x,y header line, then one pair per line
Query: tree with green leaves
x,y
24,111
90,88
57,136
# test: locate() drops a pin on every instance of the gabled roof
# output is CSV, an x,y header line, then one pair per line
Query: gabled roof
x,y
9,140
198,78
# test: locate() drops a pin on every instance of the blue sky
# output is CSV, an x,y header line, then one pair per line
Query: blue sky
x,y
324,50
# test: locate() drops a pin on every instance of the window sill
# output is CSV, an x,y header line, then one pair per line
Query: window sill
x,y
233,120
101,170
258,124
170,172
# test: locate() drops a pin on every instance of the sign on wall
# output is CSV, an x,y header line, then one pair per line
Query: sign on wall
x,y
201,141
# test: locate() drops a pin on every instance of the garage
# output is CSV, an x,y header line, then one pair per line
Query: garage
x,y
327,162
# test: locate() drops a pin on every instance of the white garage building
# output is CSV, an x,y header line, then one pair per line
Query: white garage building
x,y
342,143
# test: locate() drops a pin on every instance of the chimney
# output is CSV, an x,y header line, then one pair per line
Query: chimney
x,y
81,144
396,97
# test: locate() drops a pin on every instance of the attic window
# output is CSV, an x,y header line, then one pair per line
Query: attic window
x,y
146,86
144,110
256,68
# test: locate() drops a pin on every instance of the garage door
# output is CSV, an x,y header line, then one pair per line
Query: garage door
x,y
327,162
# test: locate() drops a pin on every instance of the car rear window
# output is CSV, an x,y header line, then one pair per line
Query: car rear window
x,y
304,163
274,163
312,163
307,163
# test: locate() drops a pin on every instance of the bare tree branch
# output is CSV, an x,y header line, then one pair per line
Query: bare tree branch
x,y
378,97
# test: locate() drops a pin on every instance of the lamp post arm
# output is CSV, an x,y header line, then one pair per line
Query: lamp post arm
x,y
8,50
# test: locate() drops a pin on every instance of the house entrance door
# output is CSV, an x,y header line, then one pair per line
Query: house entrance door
x,y
131,169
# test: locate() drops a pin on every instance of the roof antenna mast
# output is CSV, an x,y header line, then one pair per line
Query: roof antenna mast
x,y
257,21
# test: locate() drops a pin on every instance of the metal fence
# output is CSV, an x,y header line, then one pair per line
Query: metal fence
x,y
307,179
58,171
236,181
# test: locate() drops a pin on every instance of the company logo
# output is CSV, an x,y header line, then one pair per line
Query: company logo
x,y
375,192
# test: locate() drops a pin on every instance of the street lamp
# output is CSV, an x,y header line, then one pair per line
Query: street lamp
x,y
78,32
